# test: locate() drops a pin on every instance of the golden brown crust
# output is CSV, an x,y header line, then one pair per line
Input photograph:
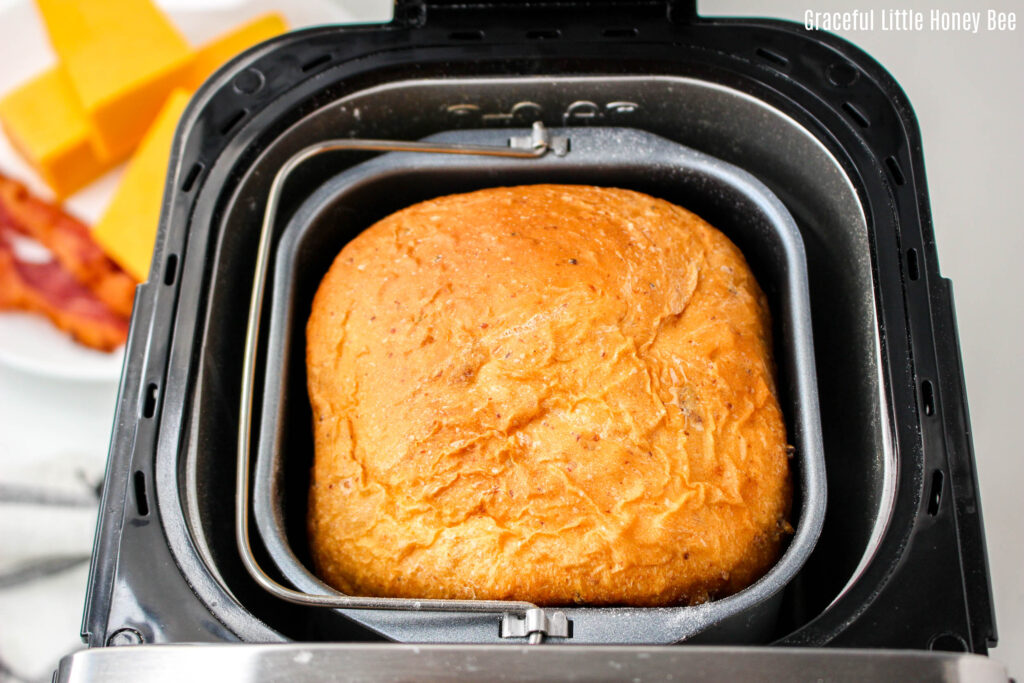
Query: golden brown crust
x,y
560,394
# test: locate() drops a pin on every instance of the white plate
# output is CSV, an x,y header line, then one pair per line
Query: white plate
x,y
28,342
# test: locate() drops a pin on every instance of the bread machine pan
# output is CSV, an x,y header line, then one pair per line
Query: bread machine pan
x,y
729,198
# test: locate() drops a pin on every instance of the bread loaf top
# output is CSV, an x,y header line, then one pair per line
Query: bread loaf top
x,y
553,393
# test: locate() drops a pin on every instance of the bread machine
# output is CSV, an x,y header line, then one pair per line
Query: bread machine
x,y
900,563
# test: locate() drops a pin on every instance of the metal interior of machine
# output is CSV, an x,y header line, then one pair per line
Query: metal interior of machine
x,y
717,120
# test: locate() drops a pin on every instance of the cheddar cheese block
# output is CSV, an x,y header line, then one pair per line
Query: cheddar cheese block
x,y
122,58
48,127
127,230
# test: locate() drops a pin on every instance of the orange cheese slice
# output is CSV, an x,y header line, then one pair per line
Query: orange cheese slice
x,y
48,127
122,58
127,230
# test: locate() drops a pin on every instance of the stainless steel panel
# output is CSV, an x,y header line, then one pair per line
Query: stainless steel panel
x,y
300,662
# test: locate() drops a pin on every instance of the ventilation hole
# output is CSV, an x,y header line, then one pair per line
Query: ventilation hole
x,y
315,62
620,33
895,170
466,35
936,494
235,119
857,115
913,268
842,74
149,404
544,34
191,177
170,269
771,56
141,502
928,396
948,642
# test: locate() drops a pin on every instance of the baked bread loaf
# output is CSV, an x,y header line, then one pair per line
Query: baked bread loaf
x,y
553,393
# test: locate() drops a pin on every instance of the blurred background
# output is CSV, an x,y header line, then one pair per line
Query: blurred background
x,y
57,401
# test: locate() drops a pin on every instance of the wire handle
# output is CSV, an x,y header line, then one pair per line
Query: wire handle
x,y
534,146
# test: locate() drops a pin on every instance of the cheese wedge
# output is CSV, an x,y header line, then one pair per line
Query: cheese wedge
x,y
127,230
48,127
122,58
218,51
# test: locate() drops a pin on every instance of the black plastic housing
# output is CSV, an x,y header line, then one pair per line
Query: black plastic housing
x,y
927,585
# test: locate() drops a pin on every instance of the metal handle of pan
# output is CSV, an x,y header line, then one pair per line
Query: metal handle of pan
x,y
520,618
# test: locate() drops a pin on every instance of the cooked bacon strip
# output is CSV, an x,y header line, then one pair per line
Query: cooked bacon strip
x,y
49,289
70,242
